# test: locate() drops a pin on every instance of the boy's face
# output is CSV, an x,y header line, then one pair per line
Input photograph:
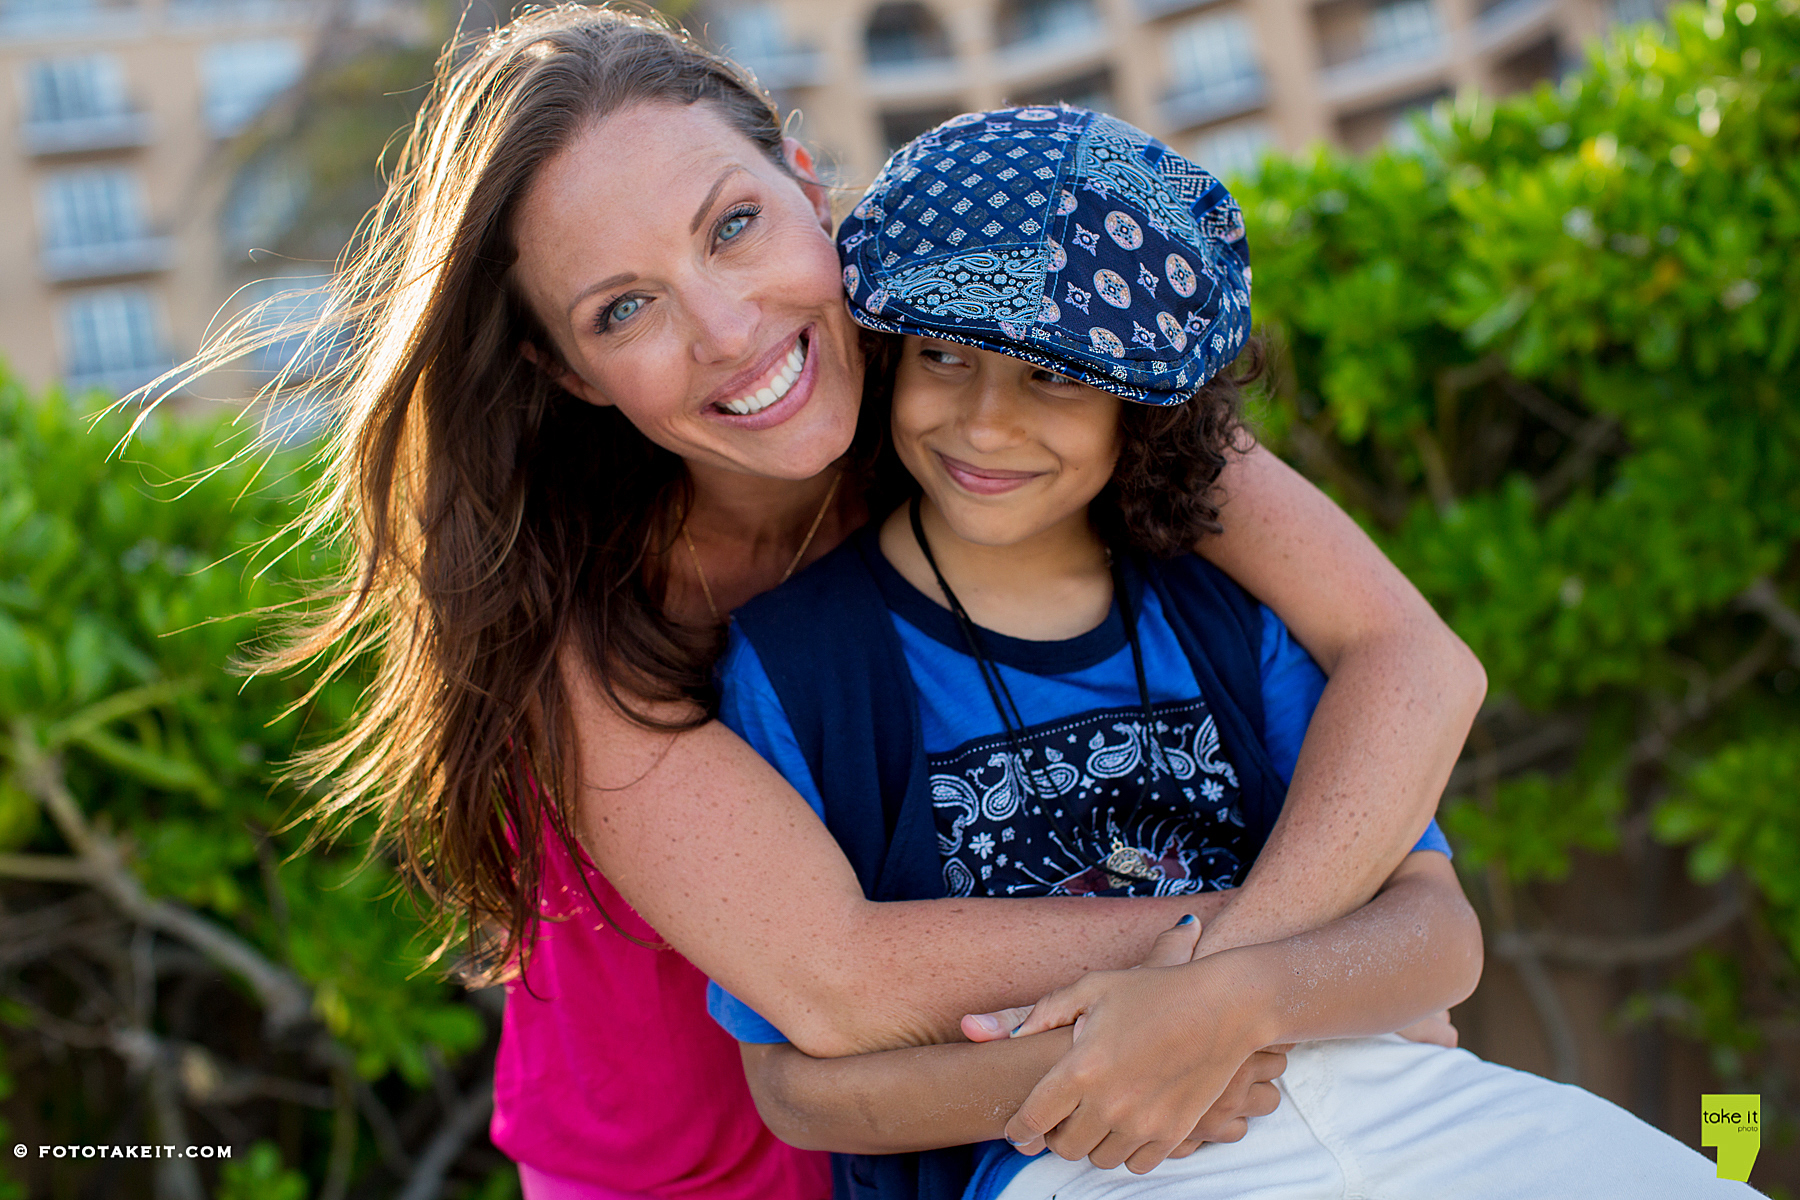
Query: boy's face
x,y
1004,449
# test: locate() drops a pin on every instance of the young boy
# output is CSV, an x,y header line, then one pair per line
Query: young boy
x,y
1021,683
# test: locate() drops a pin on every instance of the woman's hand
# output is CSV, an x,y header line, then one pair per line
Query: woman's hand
x,y
1157,1047
1155,1095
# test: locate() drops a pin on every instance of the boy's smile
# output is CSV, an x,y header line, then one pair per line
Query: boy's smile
x,y
1005,450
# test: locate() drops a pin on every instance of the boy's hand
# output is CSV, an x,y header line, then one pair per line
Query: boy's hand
x,y
1139,1086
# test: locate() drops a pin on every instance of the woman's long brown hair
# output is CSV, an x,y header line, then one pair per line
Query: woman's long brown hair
x,y
491,521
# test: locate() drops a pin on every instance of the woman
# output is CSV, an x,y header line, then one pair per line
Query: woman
x,y
606,390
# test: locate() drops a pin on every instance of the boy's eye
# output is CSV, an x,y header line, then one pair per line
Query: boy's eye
x,y
942,357
1057,379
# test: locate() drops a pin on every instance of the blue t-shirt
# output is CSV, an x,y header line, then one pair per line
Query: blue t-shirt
x,y
1065,806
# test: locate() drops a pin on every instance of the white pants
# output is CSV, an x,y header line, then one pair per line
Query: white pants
x,y
1388,1119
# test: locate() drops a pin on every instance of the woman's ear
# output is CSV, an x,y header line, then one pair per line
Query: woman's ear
x,y
560,375
800,162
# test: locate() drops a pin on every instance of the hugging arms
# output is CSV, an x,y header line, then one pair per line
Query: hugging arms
x,y
792,934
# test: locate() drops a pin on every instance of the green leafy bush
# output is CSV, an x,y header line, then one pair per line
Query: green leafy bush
x,y
1551,357
146,845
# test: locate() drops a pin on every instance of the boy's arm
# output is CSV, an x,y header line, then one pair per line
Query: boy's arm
x,y
1403,691
920,1099
896,1101
1199,1027
1176,1032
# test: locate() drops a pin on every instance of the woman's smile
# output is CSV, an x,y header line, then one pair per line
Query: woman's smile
x,y
769,394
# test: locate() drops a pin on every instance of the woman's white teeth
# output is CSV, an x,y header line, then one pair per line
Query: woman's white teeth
x,y
778,387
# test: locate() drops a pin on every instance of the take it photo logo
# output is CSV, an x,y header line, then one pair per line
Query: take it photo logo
x,y
1734,1125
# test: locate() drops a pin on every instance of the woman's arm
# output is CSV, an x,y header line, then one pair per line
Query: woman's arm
x,y
1403,691
1186,1031
725,860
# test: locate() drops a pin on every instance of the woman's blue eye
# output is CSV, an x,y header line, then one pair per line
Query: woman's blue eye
x,y
622,310
733,225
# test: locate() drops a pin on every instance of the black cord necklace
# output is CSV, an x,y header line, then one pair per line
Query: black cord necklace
x,y
1122,862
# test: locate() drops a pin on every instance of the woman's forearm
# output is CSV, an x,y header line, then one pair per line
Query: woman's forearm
x,y
1403,691
1413,950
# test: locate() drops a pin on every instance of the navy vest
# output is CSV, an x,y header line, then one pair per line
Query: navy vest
x,y
836,663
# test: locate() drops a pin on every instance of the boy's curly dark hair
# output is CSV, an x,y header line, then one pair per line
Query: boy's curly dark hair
x,y
1163,496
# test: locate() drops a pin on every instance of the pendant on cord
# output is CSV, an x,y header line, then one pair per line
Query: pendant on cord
x,y
1127,864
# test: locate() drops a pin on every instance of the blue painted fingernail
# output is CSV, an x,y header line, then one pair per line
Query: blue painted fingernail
x,y
1015,1029
1189,919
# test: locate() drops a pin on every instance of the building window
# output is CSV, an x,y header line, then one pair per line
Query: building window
x,y
243,78
1234,149
1634,12
75,89
265,199
76,105
91,207
752,32
1402,26
1212,54
899,34
1044,20
57,16
1093,90
755,36
901,127
113,338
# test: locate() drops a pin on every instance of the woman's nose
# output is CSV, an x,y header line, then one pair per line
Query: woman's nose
x,y
725,325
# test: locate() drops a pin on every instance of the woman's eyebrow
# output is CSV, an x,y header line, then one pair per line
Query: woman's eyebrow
x,y
611,281
712,195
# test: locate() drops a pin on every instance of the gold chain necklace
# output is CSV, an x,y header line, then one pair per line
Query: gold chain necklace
x,y
700,572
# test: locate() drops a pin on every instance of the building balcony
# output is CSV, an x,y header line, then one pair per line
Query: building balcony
x,y
1506,24
1062,52
914,79
92,22
1186,107
795,67
106,260
1150,10
113,380
189,14
80,135
1390,70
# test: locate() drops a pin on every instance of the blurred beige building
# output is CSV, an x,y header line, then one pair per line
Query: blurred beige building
x,y
1219,80
126,216
129,207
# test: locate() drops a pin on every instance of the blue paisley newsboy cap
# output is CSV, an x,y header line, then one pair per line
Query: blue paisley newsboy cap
x,y
1060,236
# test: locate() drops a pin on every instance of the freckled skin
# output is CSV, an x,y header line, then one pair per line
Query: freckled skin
x,y
704,301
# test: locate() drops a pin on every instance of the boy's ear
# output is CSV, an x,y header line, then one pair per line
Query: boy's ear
x,y
800,161
560,375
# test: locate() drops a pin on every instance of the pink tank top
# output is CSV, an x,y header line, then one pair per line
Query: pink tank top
x,y
613,1074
